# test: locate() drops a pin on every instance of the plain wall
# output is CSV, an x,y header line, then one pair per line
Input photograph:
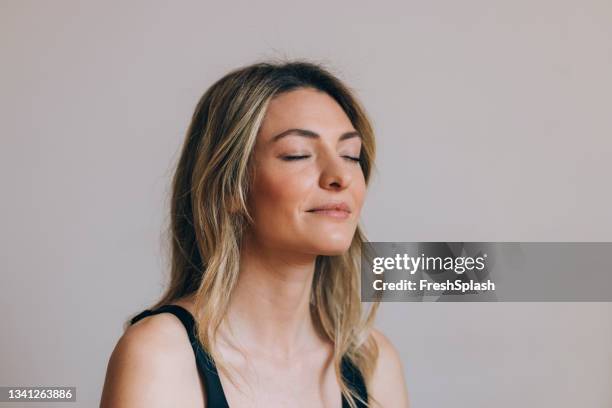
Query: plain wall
x,y
493,124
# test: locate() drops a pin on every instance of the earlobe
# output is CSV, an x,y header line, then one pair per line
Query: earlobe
x,y
234,206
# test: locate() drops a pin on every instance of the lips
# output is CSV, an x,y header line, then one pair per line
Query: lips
x,y
332,206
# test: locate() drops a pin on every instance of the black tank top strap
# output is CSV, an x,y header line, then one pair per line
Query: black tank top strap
x,y
355,380
215,396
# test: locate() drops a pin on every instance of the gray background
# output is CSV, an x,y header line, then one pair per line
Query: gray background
x,y
493,124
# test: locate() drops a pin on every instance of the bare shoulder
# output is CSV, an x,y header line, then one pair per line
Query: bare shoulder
x,y
152,365
388,384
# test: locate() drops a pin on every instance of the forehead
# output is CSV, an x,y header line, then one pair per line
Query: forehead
x,y
306,108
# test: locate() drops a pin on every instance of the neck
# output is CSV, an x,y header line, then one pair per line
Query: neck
x,y
269,310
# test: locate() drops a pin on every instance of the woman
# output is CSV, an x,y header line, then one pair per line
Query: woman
x,y
265,257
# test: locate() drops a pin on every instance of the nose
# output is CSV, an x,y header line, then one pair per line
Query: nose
x,y
335,172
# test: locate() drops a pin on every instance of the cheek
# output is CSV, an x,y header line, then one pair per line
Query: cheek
x,y
279,194
359,190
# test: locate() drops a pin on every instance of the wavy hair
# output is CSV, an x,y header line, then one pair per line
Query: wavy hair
x,y
209,211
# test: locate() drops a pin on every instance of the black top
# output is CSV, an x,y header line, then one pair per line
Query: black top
x,y
215,396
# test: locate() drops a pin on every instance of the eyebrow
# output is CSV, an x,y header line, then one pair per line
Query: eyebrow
x,y
311,134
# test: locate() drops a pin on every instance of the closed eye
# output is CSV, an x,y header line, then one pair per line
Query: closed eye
x,y
291,158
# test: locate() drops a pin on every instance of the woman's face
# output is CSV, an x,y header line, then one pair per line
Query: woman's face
x,y
324,170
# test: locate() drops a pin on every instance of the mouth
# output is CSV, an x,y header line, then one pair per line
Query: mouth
x,y
333,213
332,206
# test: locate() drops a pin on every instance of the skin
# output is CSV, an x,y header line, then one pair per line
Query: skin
x,y
268,329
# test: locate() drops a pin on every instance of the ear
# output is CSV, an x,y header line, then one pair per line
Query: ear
x,y
234,205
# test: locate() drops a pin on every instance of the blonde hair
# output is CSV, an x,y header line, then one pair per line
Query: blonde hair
x,y
209,211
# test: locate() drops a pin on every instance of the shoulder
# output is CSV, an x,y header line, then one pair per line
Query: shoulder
x,y
388,384
151,364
